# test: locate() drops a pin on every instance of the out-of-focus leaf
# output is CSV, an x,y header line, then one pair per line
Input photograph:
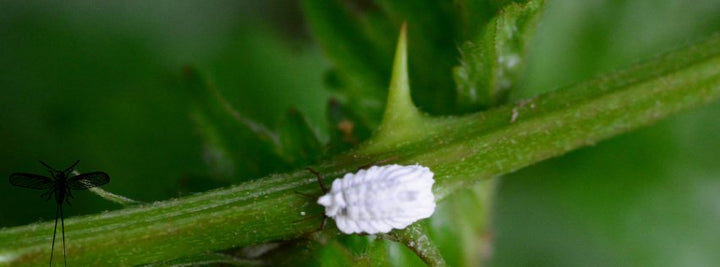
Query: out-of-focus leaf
x,y
460,225
339,31
648,198
346,128
300,144
262,75
359,43
358,37
311,251
473,15
491,62
234,147
367,251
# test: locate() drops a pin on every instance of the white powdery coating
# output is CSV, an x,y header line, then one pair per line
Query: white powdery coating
x,y
380,199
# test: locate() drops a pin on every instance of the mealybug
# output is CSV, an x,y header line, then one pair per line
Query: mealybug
x,y
381,198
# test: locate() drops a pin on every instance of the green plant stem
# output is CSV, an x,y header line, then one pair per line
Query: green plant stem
x,y
459,150
415,238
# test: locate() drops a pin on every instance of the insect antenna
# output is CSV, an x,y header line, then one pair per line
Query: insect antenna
x,y
47,166
68,170
52,170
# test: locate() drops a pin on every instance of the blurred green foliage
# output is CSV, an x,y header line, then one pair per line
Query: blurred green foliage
x,y
103,83
649,197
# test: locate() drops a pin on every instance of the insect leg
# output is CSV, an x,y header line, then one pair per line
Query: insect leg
x,y
323,223
62,223
308,218
324,189
52,248
319,178
48,166
305,195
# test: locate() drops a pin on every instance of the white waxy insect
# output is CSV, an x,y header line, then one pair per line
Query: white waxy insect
x,y
381,198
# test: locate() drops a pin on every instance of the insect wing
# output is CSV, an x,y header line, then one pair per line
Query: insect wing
x,y
88,180
32,181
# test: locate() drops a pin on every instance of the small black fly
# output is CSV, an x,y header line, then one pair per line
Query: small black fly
x,y
60,186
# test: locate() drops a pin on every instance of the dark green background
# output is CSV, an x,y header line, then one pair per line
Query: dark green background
x,y
101,82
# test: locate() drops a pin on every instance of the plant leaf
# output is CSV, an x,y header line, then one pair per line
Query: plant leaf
x,y
300,144
360,50
491,62
347,129
229,139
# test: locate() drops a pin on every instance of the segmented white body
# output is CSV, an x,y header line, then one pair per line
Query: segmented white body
x,y
381,198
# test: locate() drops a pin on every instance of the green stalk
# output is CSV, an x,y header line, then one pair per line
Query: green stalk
x,y
460,150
